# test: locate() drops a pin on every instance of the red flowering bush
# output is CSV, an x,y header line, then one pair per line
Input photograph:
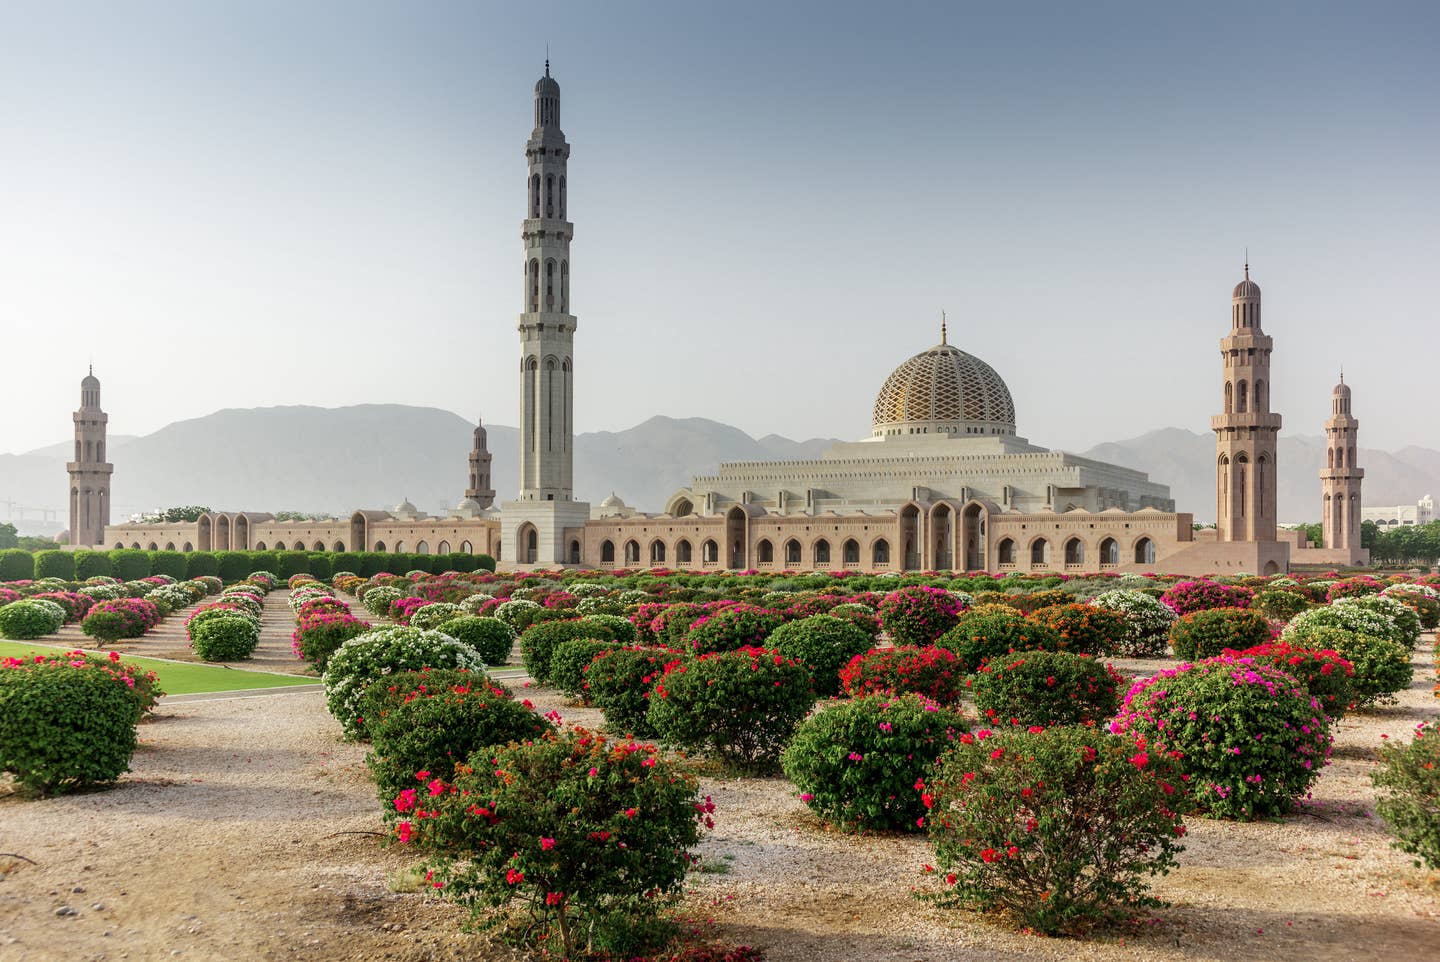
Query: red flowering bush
x,y
732,628
855,762
1184,597
741,706
567,665
1409,783
930,671
824,645
917,616
142,685
1248,737
619,683
1046,688
1059,827
1083,629
589,837
321,633
121,618
1326,674
1211,631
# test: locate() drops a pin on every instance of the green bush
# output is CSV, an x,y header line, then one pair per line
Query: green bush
x,y
1060,827
65,727
567,664
229,638
856,762
1249,737
320,565
55,564
293,563
351,561
538,643
1083,629
1212,631
30,618
16,565
1409,782
232,566
591,837
1359,615
430,721
483,562
93,564
492,638
1281,604
131,564
1382,667
371,564
824,645
384,651
264,561
986,633
741,706
1046,688
202,564
170,563
378,600
620,682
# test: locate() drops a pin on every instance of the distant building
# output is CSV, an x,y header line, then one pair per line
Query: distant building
x,y
1397,515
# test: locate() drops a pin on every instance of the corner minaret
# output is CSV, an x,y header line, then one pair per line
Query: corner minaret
x,y
89,472
1341,476
534,526
1246,434
480,490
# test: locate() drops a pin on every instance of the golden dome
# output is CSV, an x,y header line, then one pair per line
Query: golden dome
x,y
944,391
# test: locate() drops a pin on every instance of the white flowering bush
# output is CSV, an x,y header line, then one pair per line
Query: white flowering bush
x,y
515,612
168,598
1147,621
1405,588
434,614
587,589
110,591
1353,616
472,604
377,600
381,652
1406,620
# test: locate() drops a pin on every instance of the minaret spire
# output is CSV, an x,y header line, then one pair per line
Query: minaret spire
x,y
943,336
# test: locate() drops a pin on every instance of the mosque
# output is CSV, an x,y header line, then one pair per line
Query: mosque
x,y
944,481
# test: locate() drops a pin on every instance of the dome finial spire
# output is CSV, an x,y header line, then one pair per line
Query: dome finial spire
x,y
943,334
1247,263
547,58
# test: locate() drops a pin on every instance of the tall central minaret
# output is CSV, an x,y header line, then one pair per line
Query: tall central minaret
x,y
1246,434
543,526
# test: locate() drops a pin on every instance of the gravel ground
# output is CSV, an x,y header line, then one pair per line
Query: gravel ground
x,y
229,840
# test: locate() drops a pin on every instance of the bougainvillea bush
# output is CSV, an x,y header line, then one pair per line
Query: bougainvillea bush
x,y
433,721
1381,668
1409,782
539,641
823,644
567,665
989,632
574,841
384,651
122,618
30,618
1371,615
230,638
1147,621
1325,674
494,639
1207,632
74,603
929,671
917,616
1185,597
320,634
740,706
1249,737
1046,688
732,628
1083,629
856,762
1059,827
434,614
1281,604
378,600
619,682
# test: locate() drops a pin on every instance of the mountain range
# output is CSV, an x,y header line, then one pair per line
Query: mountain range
x,y
374,455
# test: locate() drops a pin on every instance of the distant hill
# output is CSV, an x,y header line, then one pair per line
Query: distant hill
x,y
373,455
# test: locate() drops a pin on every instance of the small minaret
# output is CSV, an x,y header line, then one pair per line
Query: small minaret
x,y
1246,434
480,490
89,472
1340,478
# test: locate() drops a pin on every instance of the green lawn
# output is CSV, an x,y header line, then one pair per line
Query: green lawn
x,y
178,677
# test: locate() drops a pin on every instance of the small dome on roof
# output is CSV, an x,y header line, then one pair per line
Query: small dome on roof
x,y
613,501
405,509
468,508
1246,288
90,381
1341,390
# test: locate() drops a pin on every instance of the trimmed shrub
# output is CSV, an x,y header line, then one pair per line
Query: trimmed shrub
x,y
619,683
1046,688
856,762
591,836
16,565
824,645
55,564
1083,629
93,564
378,600
1325,674
1352,614
170,563
131,564
1185,597
538,643
121,618
491,637
65,727
228,638
931,672
1147,621
1250,738
435,614
1281,604
1382,669
31,618
232,566
1060,827
319,565
320,635
732,628
740,706
1409,782
384,651
981,635
917,616
567,664
1207,632
1027,602
202,564
431,721
293,563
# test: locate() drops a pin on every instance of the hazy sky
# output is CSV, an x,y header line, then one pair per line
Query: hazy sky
x,y
254,203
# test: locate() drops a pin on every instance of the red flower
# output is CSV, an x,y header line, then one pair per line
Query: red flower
x,y
1139,759
514,877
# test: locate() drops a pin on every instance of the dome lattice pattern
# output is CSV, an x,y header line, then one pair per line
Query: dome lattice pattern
x,y
947,388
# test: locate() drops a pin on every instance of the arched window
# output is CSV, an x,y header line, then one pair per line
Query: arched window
x,y
1352,457
532,544
259,546
442,548
1144,552
1006,551
792,552
851,552
169,546
682,552
1229,398
632,552
565,290
562,198
765,552
1260,396
1040,552
710,552
574,552
550,287
657,552
1109,552
338,546
467,548
607,552
1242,398
1330,458
549,195
186,547
318,546
379,546
535,196
822,552
1074,552
880,553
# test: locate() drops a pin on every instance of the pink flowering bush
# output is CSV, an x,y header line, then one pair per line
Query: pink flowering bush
x,y
75,604
1059,827
403,609
319,634
1184,597
1354,588
930,671
1248,737
576,840
121,618
856,762
918,616
732,628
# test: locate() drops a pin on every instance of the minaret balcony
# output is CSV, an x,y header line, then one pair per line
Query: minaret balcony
x,y
548,226
1258,420
1341,474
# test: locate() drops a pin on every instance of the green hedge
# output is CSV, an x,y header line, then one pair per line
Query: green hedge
x,y
55,564
233,565
130,564
16,565
93,564
170,563
200,564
